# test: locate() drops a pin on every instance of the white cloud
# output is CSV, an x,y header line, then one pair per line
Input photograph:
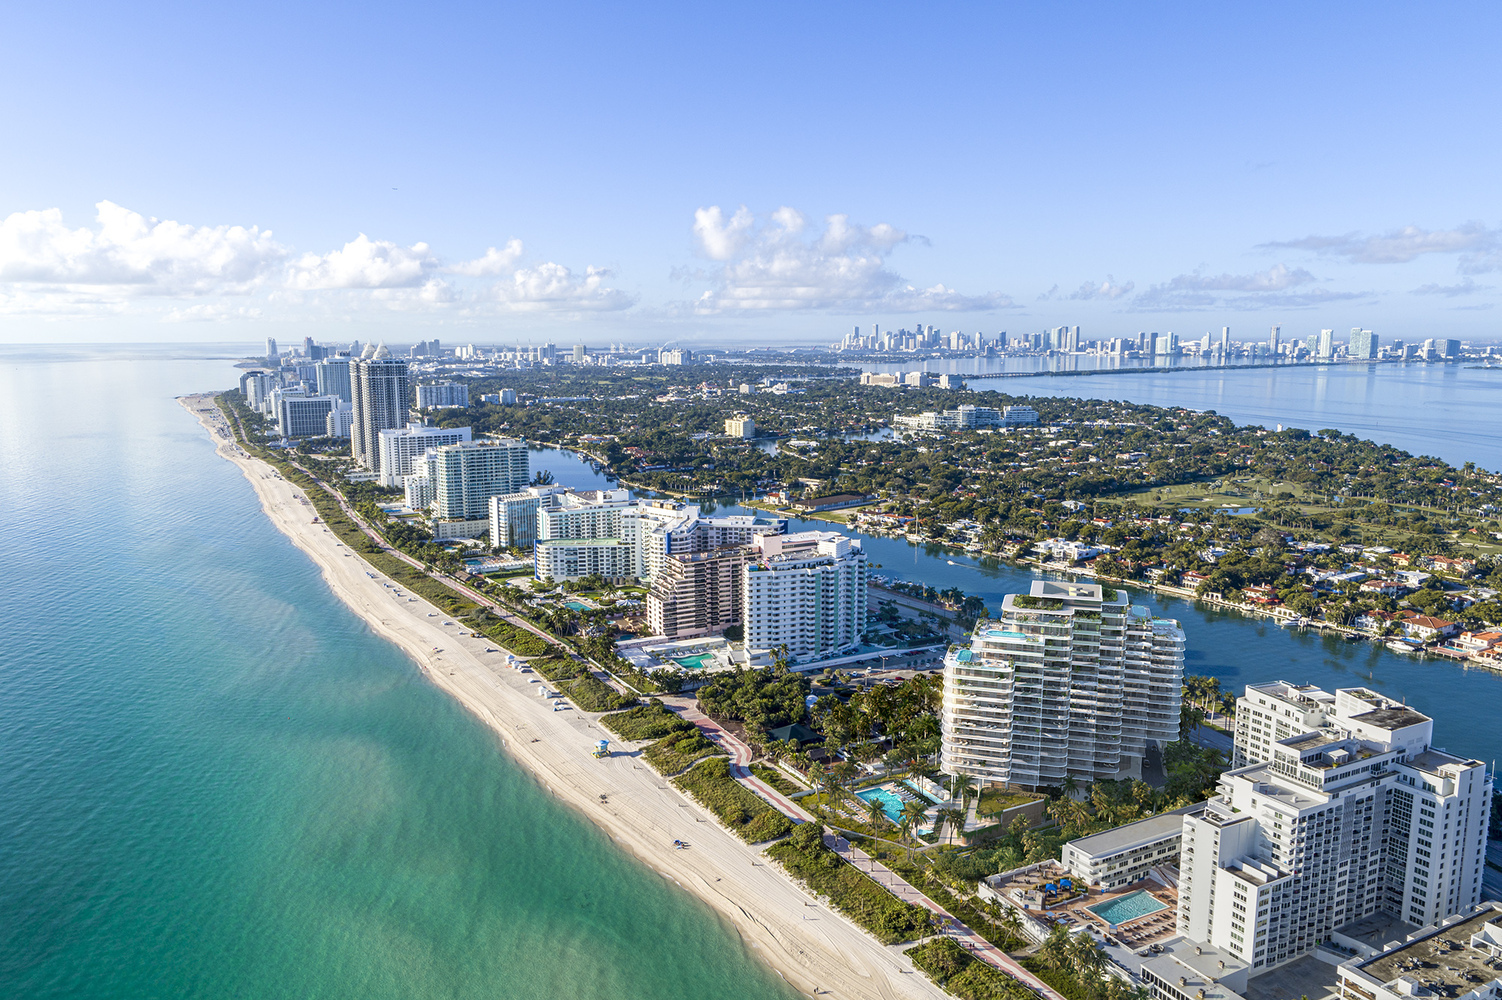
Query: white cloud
x,y
719,239
1398,246
132,251
1107,289
1277,287
1466,287
494,262
553,287
126,259
364,263
779,265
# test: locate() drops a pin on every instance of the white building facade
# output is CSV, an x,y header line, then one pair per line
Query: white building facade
x,y
468,473
1070,682
399,447
806,592
1355,814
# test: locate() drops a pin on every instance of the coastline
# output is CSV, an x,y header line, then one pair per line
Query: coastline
x,y
807,943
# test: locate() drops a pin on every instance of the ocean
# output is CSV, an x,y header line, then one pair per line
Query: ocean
x,y
216,782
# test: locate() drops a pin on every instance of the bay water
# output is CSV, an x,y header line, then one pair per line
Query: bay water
x,y
216,782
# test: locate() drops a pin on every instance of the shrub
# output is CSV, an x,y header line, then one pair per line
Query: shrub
x,y
711,785
676,752
593,695
963,975
848,890
651,721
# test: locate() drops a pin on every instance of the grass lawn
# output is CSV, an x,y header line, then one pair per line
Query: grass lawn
x,y
994,800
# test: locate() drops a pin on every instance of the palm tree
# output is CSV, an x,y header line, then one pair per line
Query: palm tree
x,y
955,820
961,786
905,831
913,813
876,812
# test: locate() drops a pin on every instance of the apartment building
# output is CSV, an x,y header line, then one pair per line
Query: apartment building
x,y
1353,813
697,593
398,447
1072,681
805,592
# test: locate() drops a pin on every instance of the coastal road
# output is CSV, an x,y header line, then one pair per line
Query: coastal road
x,y
969,939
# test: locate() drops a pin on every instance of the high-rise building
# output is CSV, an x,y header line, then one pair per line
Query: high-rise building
x,y
1071,681
697,593
579,352
805,592
469,473
1325,347
1451,348
740,426
1363,344
1274,340
513,516
332,376
1343,810
398,447
304,416
1225,340
443,395
380,390
271,352
339,421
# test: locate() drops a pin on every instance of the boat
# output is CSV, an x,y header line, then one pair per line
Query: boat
x,y
1399,646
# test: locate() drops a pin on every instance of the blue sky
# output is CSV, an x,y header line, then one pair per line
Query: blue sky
x,y
746,174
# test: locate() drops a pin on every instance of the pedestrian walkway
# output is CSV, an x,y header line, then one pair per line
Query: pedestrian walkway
x,y
740,756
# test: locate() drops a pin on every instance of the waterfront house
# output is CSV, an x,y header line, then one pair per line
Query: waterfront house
x,y
1427,627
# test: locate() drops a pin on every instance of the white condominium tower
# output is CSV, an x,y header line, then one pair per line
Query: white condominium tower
x,y
1068,683
806,592
380,388
466,475
1351,814
398,449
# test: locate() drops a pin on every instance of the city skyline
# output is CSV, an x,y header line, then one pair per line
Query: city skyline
x,y
648,179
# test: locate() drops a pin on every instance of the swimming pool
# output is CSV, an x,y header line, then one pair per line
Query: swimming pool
x,y
890,803
576,605
695,662
1128,907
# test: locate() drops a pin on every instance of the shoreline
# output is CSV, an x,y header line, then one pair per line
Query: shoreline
x,y
803,940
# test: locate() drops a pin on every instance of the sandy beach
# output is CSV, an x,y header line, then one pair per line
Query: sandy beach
x,y
815,949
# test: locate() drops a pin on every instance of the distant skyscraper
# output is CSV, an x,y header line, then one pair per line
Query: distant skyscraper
x,y
1452,348
271,351
381,390
1273,339
1225,340
1363,344
444,394
333,379
1325,347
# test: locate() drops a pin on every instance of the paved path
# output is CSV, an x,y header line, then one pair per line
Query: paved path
x,y
740,756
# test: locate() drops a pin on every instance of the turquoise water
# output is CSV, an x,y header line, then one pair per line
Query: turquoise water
x,y
215,782
1128,907
890,803
695,662
576,605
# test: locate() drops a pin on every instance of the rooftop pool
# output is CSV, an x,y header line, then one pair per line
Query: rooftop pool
x,y
1128,907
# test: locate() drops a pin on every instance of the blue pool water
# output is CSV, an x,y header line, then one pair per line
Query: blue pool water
x,y
1128,907
576,605
695,662
890,803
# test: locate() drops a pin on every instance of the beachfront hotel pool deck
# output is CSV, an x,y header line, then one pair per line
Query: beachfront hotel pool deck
x,y
1133,916
893,795
1120,909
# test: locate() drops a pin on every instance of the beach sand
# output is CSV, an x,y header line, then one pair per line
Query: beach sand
x,y
811,946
